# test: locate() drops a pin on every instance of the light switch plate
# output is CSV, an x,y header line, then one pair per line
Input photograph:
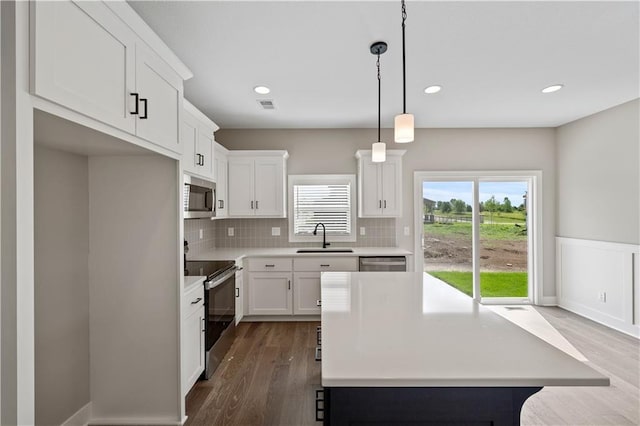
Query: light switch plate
x,y
275,231
230,232
363,231
407,231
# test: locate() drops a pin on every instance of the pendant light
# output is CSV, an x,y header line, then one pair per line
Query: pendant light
x,y
403,123
378,149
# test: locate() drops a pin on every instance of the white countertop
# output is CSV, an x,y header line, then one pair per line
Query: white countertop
x,y
400,329
191,281
238,253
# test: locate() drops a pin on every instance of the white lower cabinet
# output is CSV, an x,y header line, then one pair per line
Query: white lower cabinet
x,y
306,293
270,293
273,289
193,341
239,295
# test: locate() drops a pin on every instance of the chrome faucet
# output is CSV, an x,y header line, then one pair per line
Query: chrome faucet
x,y
324,234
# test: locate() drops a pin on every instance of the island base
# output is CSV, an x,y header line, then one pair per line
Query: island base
x,y
477,406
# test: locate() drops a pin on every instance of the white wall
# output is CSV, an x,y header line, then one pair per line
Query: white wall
x,y
333,151
598,161
134,289
61,285
598,209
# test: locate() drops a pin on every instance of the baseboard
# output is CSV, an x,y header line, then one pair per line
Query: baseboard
x,y
280,318
629,329
80,418
549,301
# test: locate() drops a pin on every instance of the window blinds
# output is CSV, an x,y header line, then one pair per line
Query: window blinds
x,y
329,204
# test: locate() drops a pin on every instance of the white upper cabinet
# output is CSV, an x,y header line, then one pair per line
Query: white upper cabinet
x,y
84,60
257,185
88,58
197,142
221,174
380,185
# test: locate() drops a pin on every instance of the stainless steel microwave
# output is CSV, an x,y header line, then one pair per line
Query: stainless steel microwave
x,y
198,198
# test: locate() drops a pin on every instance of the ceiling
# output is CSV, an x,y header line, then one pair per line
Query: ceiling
x,y
491,58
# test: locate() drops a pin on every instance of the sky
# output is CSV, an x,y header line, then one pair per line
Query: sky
x,y
445,191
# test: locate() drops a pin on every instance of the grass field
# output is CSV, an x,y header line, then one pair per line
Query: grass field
x,y
487,231
492,284
498,217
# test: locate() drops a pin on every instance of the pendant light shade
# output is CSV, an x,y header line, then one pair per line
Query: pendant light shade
x,y
379,152
378,149
403,132
403,123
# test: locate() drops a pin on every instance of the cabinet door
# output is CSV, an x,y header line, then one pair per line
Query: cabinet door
x,y
221,185
84,59
391,187
205,148
269,293
189,141
159,116
269,187
239,296
193,353
240,195
371,198
306,292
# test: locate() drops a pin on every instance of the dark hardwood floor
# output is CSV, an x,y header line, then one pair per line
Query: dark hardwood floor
x,y
269,378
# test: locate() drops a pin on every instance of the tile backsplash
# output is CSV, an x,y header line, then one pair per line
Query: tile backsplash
x,y
254,233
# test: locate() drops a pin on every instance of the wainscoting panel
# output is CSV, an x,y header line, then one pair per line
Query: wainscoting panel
x,y
599,280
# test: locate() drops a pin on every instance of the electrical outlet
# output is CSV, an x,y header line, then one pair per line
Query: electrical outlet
x,y
201,233
602,296
230,232
275,231
363,231
407,231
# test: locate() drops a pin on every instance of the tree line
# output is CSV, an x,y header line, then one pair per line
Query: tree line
x,y
459,206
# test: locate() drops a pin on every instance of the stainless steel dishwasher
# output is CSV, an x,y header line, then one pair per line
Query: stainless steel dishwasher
x,y
382,264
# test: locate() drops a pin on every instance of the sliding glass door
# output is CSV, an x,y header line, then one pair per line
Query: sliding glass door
x,y
477,232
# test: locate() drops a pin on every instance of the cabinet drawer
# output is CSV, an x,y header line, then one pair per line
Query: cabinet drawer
x,y
268,264
192,301
328,263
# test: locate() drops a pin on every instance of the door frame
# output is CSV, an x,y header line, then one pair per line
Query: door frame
x,y
534,223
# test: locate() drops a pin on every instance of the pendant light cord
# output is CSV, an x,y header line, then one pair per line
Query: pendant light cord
x,y
379,99
404,72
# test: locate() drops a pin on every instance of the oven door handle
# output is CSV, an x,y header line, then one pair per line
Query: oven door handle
x,y
208,285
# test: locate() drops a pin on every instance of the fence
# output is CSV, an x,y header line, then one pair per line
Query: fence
x,y
432,218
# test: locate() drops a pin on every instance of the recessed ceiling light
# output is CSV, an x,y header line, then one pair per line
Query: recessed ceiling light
x,y
261,90
432,89
553,88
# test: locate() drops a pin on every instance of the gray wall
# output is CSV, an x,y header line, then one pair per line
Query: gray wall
x,y
598,162
61,285
332,151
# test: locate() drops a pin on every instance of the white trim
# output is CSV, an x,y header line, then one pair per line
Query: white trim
x,y
535,218
505,301
82,417
191,109
258,153
627,319
549,301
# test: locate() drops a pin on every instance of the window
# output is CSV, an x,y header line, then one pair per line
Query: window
x,y
326,199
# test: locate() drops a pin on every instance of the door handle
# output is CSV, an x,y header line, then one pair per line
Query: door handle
x,y
203,325
196,301
144,115
237,292
136,97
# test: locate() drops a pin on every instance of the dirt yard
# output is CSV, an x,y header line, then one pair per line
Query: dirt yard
x,y
453,253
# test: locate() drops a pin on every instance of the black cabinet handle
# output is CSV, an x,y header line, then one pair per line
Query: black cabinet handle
x,y
289,284
252,205
203,325
196,301
137,98
318,355
269,266
385,204
379,204
222,203
144,115
326,265
237,292
202,157
256,204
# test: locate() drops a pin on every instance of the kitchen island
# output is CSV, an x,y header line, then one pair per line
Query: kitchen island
x,y
399,348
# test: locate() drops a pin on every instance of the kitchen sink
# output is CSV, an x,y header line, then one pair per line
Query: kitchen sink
x,y
313,250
